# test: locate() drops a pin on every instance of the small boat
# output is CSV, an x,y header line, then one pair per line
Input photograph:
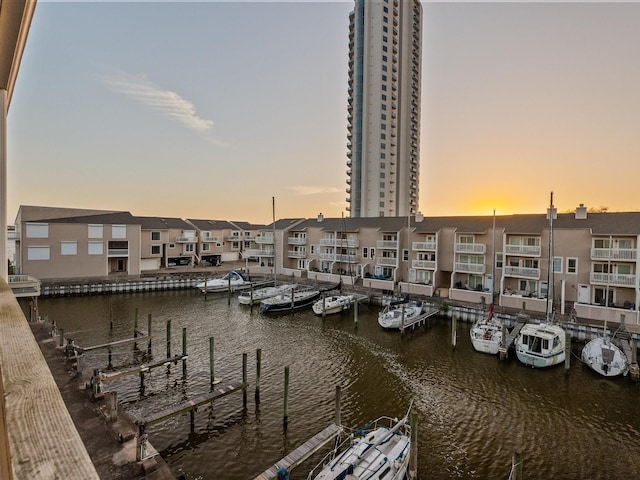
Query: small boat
x,y
286,302
259,294
605,358
233,280
378,451
540,345
396,313
333,304
486,334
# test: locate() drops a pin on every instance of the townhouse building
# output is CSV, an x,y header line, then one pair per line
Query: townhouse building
x,y
166,242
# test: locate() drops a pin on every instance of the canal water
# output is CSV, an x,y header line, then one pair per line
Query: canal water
x,y
473,410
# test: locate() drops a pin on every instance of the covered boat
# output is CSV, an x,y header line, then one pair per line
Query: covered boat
x,y
233,280
541,345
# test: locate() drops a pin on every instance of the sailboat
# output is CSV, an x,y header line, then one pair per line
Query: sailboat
x,y
486,333
604,357
542,344
250,297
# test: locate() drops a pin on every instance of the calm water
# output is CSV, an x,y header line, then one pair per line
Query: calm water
x,y
473,410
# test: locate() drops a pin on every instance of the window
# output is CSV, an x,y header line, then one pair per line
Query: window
x,y
381,184
365,252
118,231
383,126
312,249
383,116
382,146
205,247
383,136
95,231
373,252
405,255
384,58
499,260
572,265
381,204
385,39
385,19
384,48
188,247
557,264
155,249
69,248
172,245
382,174
384,78
384,68
155,236
37,230
384,87
38,253
381,194
95,248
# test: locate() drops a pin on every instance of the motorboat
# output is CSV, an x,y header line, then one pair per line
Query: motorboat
x,y
333,304
396,314
540,345
247,297
378,451
486,334
296,299
604,357
234,280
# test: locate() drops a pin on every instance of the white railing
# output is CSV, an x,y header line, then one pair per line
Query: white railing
x,y
339,242
522,272
187,240
424,264
209,239
347,258
470,248
470,267
387,244
532,250
613,279
428,246
258,252
387,261
297,254
297,240
614,254
118,252
262,238
329,257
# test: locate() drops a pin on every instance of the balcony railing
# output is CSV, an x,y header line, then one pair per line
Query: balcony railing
x,y
339,242
470,267
522,272
387,261
424,246
187,240
387,244
614,254
118,252
613,279
470,248
328,257
209,239
528,250
297,240
297,254
347,258
258,252
424,264
264,238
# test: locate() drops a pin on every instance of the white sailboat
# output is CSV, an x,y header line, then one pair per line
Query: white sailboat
x,y
542,344
233,280
397,313
378,451
333,304
604,357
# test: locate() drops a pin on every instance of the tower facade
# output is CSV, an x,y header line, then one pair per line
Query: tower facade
x,y
383,139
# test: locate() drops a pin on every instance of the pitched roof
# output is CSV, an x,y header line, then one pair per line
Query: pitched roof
x,y
163,223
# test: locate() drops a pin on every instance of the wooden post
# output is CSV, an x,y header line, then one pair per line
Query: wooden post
x,y
141,444
454,339
149,334
168,338
516,467
285,417
61,337
402,321
5,455
355,313
211,377
338,405
503,346
258,369
110,366
206,279
244,380
567,351
112,406
229,299
184,350
251,297
324,300
135,329
413,455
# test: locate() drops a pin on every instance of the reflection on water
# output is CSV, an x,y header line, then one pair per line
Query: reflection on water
x,y
473,410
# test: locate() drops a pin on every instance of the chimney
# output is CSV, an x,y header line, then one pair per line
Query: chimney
x,y
419,217
320,217
581,212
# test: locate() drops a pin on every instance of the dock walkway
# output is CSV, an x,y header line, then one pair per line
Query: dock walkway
x,y
420,319
301,453
511,337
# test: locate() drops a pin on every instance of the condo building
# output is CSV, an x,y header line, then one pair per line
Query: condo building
x,y
383,138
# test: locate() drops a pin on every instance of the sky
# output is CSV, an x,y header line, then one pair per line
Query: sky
x,y
211,109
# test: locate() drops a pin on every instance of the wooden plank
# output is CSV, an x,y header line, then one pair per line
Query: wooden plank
x,y
143,368
300,454
117,342
511,338
220,391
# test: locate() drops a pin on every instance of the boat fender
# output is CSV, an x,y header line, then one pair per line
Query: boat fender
x,y
283,474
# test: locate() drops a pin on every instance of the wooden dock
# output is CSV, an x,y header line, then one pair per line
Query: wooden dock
x,y
420,319
513,334
219,391
143,368
303,452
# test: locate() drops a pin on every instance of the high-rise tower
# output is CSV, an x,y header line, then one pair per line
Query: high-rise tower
x,y
384,107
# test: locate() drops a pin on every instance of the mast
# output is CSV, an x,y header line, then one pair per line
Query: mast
x,y
273,215
550,292
493,264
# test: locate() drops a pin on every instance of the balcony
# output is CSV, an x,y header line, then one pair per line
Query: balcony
x,y
264,238
347,258
297,254
339,242
424,246
24,286
470,267
118,252
297,240
187,240
623,254
327,257
424,264
258,252
387,261
522,272
207,238
613,279
387,244
523,250
470,248
233,238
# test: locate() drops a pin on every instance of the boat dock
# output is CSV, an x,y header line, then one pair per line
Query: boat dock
x,y
420,319
509,338
303,452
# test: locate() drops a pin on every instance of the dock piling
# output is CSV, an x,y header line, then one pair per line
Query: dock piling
x,y
211,377
338,420
285,417
567,351
135,328
184,351
355,313
454,321
244,380
168,338
413,455
149,334
258,369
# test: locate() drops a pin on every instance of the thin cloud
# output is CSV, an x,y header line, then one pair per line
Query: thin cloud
x,y
167,102
308,190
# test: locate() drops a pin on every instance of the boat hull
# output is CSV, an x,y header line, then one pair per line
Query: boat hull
x,y
261,294
284,303
541,345
605,358
332,305
486,337
392,316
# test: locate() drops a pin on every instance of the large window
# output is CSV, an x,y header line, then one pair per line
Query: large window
x,y
38,253
118,231
572,265
155,236
96,248
37,230
155,249
68,248
95,231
